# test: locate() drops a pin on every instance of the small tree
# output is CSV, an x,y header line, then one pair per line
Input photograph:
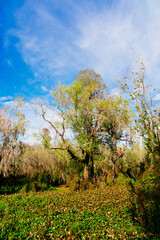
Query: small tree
x,y
148,122
12,126
44,137
145,193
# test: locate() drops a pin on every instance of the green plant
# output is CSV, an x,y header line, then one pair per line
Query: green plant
x,y
92,214
145,201
145,193
148,121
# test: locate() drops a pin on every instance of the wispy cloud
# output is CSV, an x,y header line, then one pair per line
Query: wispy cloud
x,y
44,89
115,92
58,39
115,37
157,97
6,98
46,44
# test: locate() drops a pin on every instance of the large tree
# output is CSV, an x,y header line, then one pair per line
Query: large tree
x,y
83,107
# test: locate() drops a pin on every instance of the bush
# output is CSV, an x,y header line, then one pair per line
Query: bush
x,y
37,169
145,198
51,164
11,184
134,161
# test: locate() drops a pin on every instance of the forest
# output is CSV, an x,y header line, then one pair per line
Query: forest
x,y
101,177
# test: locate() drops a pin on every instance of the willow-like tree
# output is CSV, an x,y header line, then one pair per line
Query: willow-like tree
x,y
82,107
12,126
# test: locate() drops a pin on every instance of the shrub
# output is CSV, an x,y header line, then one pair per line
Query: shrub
x,y
134,161
145,200
47,163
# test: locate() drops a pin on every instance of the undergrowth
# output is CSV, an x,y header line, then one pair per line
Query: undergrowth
x,y
92,214
38,181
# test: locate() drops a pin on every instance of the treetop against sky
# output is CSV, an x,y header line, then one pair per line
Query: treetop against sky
x,y
47,42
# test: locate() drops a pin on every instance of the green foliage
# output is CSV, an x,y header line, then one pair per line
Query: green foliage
x,y
145,192
146,201
11,184
134,161
116,130
147,122
119,117
44,138
38,181
80,106
76,183
93,116
92,214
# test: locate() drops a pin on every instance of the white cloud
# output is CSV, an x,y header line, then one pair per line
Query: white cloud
x,y
44,89
157,97
115,92
6,98
107,38
115,38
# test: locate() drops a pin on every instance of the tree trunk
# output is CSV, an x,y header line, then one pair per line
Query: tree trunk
x,y
114,169
92,169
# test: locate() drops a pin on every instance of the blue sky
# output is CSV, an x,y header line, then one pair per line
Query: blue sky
x,y
46,42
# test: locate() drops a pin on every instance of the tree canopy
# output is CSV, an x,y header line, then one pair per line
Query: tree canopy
x,y
91,113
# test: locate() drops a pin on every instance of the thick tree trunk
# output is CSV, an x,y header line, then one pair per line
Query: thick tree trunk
x,y
86,160
73,156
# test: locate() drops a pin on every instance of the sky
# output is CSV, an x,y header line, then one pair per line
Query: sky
x,y
47,42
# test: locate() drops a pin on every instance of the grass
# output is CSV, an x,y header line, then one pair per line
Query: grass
x,y
92,214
